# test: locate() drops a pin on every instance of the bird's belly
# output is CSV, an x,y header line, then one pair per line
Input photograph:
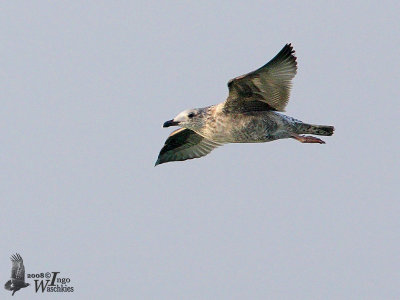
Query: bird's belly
x,y
252,128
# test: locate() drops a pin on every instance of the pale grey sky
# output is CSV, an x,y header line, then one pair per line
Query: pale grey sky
x,y
85,88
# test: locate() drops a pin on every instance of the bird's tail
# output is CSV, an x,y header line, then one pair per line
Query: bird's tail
x,y
314,129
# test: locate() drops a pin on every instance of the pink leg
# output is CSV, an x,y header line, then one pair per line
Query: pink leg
x,y
307,139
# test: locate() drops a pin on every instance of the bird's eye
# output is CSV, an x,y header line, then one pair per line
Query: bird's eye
x,y
191,115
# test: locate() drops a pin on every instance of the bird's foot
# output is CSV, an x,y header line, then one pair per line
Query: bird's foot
x,y
307,139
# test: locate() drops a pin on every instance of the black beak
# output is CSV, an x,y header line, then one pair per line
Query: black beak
x,y
170,123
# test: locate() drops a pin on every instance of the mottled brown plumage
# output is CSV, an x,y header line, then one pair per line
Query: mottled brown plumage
x,y
250,114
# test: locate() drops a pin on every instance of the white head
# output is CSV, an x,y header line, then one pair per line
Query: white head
x,y
190,118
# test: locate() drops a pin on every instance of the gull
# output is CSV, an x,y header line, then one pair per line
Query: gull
x,y
250,114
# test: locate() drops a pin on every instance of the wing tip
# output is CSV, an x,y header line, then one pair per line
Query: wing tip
x,y
288,49
161,161
289,53
16,257
158,162
290,46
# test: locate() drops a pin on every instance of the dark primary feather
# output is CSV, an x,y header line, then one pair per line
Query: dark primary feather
x,y
183,144
267,88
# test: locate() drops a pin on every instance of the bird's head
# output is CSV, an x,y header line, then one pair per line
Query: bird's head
x,y
27,284
190,119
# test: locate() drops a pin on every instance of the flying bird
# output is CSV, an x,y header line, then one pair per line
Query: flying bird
x,y
250,114
17,280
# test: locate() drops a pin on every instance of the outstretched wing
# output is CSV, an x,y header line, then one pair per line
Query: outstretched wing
x,y
267,88
183,144
17,269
